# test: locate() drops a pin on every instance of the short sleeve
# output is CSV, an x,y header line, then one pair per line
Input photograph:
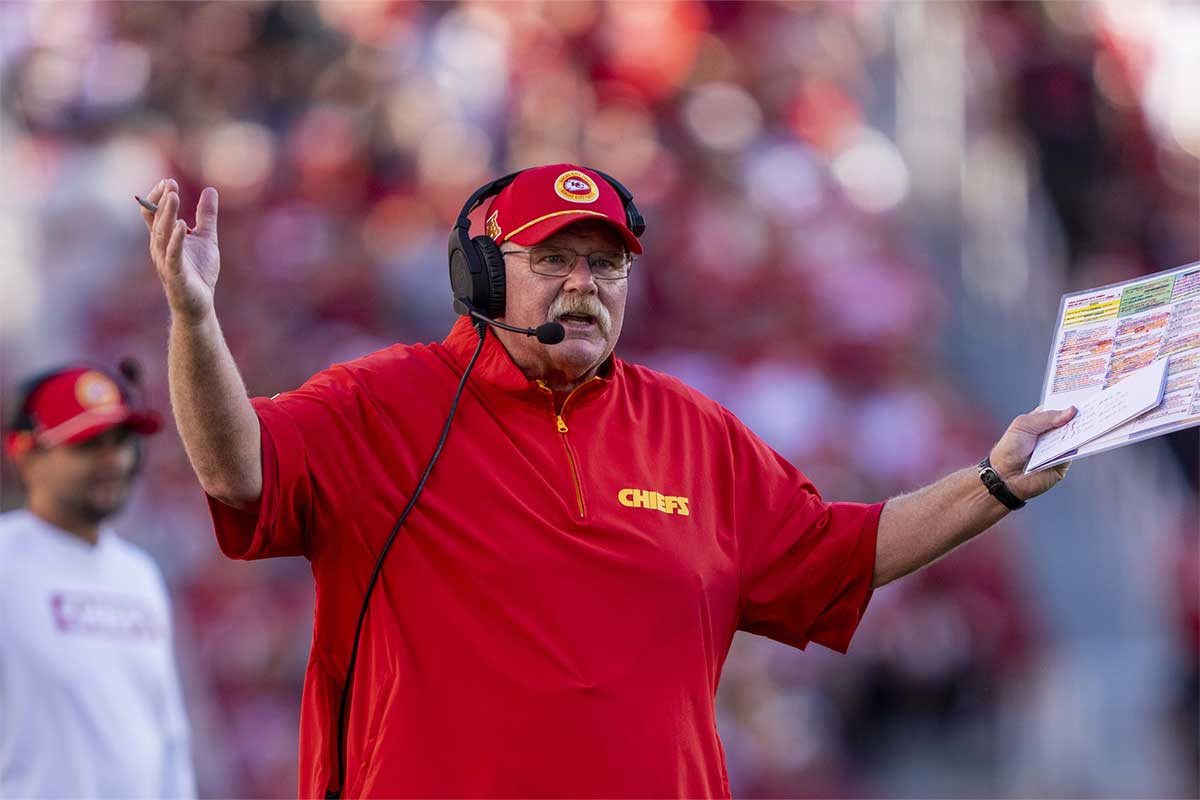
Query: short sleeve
x,y
298,428
806,565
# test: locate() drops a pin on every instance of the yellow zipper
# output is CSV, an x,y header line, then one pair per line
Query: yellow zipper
x,y
561,425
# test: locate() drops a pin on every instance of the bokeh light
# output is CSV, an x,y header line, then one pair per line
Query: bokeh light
x,y
859,219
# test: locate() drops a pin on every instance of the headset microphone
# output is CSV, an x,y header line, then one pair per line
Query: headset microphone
x,y
550,333
546,333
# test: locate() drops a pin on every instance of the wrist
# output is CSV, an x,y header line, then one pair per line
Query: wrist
x,y
193,317
996,485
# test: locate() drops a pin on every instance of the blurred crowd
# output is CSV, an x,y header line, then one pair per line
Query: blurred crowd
x,y
785,275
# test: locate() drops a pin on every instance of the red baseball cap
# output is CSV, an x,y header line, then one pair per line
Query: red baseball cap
x,y
76,404
542,200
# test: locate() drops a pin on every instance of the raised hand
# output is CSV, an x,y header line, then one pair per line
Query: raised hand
x,y
1011,453
187,262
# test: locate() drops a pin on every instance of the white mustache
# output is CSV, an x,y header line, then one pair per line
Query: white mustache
x,y
582,304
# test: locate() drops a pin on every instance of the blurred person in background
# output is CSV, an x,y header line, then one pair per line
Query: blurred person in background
x,y
563,599
90,701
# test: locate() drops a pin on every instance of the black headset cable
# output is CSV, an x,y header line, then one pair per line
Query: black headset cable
x,y
332,794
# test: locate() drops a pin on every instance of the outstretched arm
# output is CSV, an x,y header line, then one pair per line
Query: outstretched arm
x,y
918,528
219,428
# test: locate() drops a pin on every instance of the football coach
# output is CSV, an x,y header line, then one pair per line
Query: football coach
x,y
537,600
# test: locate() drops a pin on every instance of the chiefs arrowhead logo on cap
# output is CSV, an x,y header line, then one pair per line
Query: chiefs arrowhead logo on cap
x,y
94,389
576,187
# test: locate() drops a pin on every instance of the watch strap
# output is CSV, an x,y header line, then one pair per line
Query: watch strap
x,y
997,487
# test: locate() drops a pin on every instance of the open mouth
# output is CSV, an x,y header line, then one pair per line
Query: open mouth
x,y
577,319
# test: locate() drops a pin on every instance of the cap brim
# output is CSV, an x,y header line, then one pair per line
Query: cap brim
x,y
538,232
143,422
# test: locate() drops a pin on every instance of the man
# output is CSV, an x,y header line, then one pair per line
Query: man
x,y
553,617
90,704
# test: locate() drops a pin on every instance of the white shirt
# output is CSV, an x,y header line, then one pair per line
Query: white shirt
x,y
90,703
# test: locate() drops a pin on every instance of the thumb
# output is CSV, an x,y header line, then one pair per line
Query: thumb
x,y
206,213
1041,421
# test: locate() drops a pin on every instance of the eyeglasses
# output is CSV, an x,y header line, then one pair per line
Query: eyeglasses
x,y
557,262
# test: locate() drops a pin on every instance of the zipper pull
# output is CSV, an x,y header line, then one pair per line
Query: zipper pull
x,y
562,424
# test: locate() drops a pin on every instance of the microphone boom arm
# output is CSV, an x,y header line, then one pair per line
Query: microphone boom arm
x,y
546,333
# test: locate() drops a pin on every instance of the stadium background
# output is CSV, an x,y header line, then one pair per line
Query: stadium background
x,y
861,217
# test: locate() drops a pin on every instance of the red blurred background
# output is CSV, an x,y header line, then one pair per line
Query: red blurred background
x,y
860,219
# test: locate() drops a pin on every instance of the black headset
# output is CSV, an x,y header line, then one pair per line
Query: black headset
x,y
476,265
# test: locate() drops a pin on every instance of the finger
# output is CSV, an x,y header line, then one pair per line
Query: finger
x,y
161,231
206,213
1039,422
156,194
156,191
164,223
152,196
175,244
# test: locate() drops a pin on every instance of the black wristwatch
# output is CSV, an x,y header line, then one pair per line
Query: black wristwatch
x,y
996,485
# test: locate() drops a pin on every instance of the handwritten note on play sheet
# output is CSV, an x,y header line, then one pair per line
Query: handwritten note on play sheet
x,y
1105,335
1139,392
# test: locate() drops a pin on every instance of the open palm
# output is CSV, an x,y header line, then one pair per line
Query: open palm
x,y
187,262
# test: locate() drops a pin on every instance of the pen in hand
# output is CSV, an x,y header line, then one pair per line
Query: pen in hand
x,y
151,207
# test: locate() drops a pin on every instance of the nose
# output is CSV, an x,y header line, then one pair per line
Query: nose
x,y
110,455
580,279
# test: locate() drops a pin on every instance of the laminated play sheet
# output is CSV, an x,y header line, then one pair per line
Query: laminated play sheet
x,y
1106,335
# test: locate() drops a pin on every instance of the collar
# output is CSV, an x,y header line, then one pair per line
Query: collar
x,y
66,541
496,369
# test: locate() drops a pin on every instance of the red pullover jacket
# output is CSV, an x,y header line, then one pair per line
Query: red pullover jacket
x,y
553,618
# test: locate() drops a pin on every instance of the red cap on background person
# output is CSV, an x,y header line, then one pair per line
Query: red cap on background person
x,y
542,200
73,404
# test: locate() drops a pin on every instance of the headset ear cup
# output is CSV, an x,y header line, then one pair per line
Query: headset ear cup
x,y
471,277
462,283
493,275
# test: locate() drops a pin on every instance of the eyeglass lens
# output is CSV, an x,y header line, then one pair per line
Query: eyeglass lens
x,y
559,261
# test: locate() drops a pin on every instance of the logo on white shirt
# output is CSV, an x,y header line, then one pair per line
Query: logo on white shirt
x,y
111,616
